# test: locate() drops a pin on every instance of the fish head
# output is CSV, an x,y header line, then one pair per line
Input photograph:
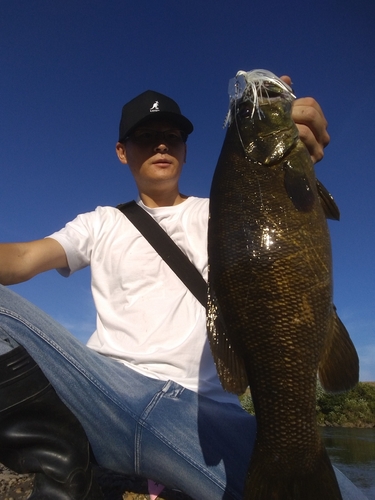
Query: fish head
x,y
260,113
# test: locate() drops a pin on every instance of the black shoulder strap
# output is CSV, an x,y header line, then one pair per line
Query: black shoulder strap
x,y
167,249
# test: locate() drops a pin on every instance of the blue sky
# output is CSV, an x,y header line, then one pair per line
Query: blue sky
x,y
68,66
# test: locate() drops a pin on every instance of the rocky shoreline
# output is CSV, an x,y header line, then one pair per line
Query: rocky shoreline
x,y
114,486
14,486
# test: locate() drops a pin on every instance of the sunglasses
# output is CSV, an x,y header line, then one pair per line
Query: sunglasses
x,y
147,137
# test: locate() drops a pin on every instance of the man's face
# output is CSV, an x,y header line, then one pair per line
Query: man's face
x,y
155,153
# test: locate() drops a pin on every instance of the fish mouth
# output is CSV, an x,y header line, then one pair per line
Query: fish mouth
x,y
274,133
255,89
267,93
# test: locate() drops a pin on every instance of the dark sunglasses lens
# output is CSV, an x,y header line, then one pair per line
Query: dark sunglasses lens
x,y
147,137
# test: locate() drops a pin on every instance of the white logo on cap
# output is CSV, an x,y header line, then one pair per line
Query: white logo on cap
x,y
155,107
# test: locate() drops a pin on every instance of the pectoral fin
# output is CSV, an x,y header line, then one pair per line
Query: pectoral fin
x,y
298,188
339,366
230,366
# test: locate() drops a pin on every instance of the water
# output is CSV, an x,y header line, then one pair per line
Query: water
x,y
353,452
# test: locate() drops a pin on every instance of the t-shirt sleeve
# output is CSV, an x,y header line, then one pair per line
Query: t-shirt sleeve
x,y
76,239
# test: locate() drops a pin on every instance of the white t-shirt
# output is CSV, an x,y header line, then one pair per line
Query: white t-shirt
x,y
146,317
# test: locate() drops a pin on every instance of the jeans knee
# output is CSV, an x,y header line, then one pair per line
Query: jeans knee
x,y
6,342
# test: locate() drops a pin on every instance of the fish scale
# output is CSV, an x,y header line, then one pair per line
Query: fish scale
x,y
271,321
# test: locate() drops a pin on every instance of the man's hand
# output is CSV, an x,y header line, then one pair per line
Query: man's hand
x,y
311,124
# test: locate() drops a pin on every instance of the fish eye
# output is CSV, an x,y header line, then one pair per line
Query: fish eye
x,y
245,112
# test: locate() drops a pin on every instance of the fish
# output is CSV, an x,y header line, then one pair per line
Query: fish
x,y
271,322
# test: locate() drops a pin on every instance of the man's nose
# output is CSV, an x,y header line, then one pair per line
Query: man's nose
x,y
161,147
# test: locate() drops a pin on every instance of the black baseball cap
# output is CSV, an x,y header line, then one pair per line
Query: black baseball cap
x,y
151,105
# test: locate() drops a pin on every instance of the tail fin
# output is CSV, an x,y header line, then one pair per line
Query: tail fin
x,y
319,483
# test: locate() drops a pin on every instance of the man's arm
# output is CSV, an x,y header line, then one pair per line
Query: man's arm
x,y
22,261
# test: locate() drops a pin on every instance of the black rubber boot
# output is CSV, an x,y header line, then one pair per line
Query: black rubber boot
x,y
39,434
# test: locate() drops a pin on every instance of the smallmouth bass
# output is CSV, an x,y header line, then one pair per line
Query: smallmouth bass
x,y
271,321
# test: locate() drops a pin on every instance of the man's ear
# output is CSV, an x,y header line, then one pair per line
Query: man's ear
x,y
185,152
121,153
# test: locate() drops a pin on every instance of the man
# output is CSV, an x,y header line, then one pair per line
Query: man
x,y
145,391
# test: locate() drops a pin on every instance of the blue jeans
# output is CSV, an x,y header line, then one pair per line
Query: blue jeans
x,y
135,424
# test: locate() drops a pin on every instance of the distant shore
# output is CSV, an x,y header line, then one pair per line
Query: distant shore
x,y
354,408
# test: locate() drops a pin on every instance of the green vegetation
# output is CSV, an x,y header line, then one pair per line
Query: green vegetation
x,y
247,403
355,408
